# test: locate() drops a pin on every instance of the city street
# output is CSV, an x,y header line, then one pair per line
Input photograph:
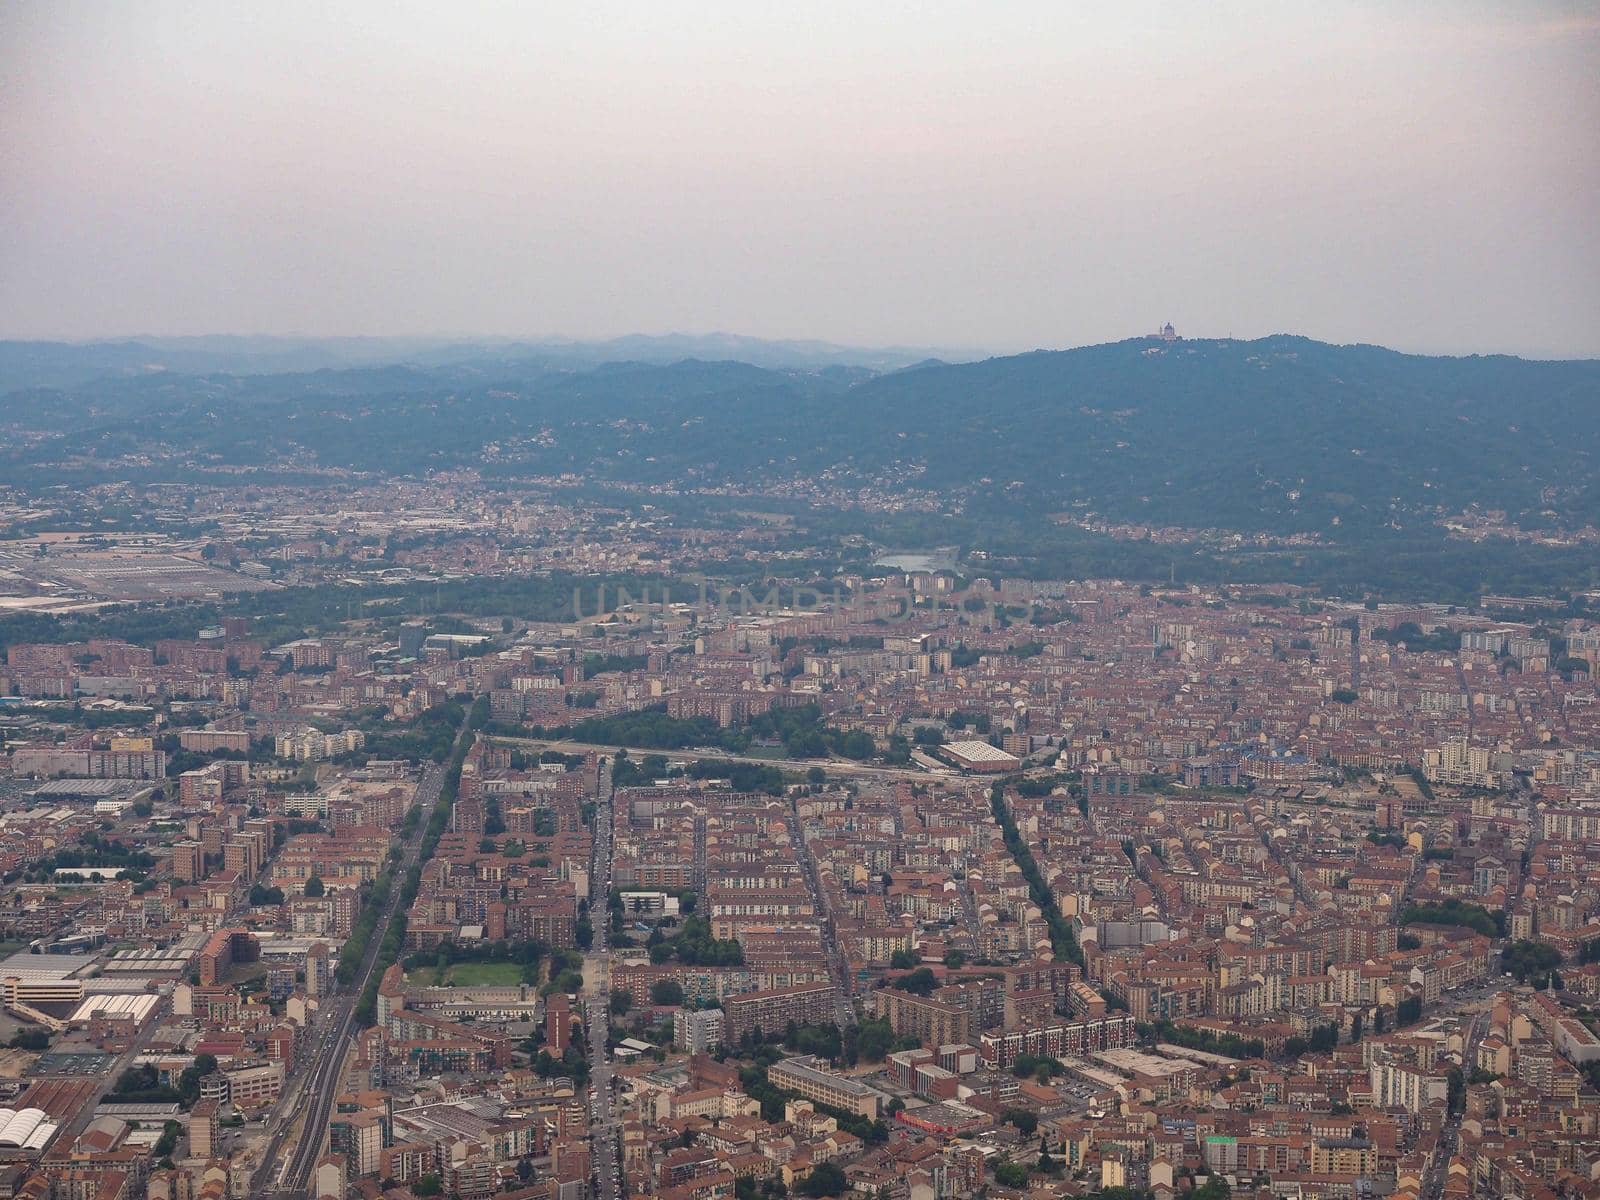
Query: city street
x,y
319,1072
844,1011
1449,1135
604,1157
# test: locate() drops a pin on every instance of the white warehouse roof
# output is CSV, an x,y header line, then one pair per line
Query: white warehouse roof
x,y
978,752
135,1004
30,1127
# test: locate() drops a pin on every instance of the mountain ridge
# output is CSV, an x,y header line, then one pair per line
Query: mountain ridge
x,y
1281,434
43,363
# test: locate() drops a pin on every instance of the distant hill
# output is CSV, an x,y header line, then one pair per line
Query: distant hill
x,y
62,364
71,364
1281,434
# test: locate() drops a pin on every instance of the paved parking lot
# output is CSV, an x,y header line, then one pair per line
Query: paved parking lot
x,y
87,1063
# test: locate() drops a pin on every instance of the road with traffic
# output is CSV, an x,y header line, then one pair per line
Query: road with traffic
x,y
605,1161
320,1071
844,1012
1433,1179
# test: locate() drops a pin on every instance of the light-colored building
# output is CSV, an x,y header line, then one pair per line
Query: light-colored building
x,y
699,1031
1405,1085
802,1075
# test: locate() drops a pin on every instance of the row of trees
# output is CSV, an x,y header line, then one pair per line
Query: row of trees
x,y
1229,1044
694,946
1322,1039
801,730
744,776
93,851
374,897
142,1085
394,938
1528,960
910,960
1456,912
1062,940
872,1039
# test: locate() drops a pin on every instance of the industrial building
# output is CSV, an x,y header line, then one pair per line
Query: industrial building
x,y
979,757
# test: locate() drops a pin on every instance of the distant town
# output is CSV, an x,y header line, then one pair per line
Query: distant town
x,y
388,842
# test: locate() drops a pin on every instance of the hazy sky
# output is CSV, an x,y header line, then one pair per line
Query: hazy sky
x,y
1004,175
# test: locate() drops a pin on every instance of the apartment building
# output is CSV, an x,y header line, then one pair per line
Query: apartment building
x,y
802,1075
770,1011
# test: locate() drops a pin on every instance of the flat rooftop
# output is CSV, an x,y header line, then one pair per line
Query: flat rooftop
x,y
1137,1062
805,1069
979,752
44,968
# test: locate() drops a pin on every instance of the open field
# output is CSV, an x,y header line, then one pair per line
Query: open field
x,y
486,974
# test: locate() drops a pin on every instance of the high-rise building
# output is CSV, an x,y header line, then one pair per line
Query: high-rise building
x,y
699,1031
319,975
560,1024
188,862
203,1129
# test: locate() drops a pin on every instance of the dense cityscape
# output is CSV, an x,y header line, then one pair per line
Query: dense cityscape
x,y
731,600
419,841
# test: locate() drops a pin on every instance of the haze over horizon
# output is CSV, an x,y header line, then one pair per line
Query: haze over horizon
x,y
1011,177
